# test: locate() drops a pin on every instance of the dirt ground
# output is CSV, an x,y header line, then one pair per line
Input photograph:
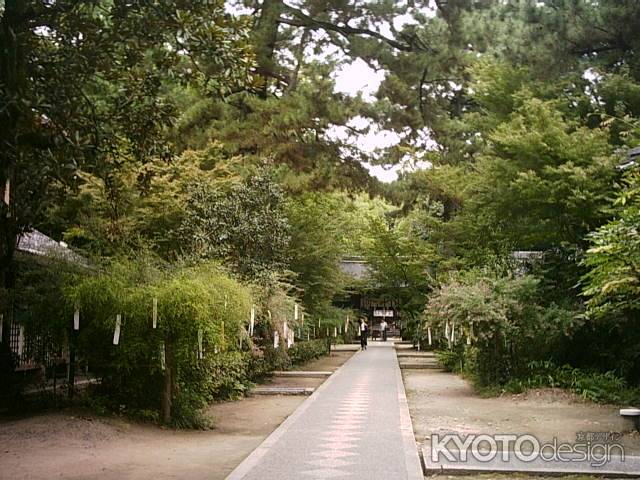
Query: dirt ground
x,y
74,444
442,402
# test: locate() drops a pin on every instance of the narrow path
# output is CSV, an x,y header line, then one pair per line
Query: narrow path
x,y
356,426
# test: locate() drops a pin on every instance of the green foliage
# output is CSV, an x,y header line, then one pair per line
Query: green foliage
x,y
504,321
302,352
590,385
612,281
246,226
451,360
192,302
400,265
82,87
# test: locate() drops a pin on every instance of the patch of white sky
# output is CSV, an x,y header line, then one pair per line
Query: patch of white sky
x,y
359,78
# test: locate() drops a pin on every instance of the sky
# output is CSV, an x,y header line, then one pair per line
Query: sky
x,y
358,77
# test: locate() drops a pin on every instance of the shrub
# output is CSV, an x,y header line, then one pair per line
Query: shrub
x,y
160,369
594,386
302,352
502,319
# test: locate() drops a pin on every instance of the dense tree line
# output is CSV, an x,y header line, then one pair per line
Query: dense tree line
x,y
207,133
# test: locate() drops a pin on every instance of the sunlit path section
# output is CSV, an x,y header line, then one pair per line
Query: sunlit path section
x,y
356,426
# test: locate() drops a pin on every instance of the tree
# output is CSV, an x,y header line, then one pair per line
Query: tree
x,y
82,87
612,283
245,226
402,269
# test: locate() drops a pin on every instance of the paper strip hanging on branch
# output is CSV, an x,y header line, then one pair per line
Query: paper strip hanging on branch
x,y
1,325
76,319
453,333
226,300
327,331
346,325
308,336
290,339
252,322
162,358
154,314
335,331
295,311
446,330
7,192
276,339
116,332
429,334
303,319
21,341
200,334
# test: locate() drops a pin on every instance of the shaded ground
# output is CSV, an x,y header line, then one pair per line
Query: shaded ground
x,y
442,402
74,444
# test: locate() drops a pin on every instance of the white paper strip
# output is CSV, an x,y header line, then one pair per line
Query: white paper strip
x,y
200,335
285,330
7,192
76,319
154,313
226,300
335,331
252,322
308,336
453,332
116,332
346,325
429,334
303,319
1,325
21,341
295,311
276,339
162,359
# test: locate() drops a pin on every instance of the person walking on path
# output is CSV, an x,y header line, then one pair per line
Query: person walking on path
x,y
364,331
383,330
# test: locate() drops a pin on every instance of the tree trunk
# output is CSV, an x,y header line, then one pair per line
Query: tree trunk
x,y
265,36
169,376
13,29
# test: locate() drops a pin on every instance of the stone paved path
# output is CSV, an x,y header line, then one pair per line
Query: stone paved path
x,y
355,426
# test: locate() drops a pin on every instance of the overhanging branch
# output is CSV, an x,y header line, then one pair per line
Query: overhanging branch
x,y
300,19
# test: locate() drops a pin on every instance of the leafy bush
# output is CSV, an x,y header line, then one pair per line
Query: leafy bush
x,y
302,352
193,304
594,386
451,360
503,320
